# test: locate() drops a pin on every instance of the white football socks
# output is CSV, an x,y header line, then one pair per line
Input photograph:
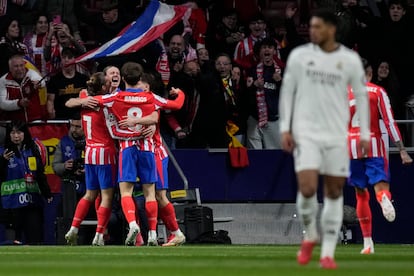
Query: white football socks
x,y
331,222
307,211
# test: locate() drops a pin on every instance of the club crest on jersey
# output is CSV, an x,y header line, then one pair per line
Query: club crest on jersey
x,y
311,63
339,66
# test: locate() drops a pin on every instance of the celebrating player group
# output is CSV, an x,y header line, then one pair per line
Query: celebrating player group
x,y
130,117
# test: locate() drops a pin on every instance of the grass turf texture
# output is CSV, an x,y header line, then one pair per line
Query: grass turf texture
x,y
198,260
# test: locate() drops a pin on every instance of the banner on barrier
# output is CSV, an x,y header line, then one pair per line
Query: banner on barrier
x,y
50,134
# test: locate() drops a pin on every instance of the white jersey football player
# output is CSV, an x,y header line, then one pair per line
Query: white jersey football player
x,y
314,118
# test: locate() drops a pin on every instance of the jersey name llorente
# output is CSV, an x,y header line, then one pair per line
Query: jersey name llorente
x,y
380,109
314,96
100,148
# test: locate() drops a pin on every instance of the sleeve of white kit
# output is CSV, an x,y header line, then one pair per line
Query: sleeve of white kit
x,y
287,93
358,85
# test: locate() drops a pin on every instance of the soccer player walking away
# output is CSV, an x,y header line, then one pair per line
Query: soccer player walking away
x,y
314,116
371,169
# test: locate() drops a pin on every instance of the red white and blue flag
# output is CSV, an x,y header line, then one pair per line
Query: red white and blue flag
x,y
150,25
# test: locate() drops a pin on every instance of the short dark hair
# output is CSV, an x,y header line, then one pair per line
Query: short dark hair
x,y
268,41
67,52
327,15
365,63
402,3
148,78
131,72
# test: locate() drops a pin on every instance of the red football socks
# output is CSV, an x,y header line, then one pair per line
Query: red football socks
x,y
128,207
81,211
364,213
167,215
103,214
151,208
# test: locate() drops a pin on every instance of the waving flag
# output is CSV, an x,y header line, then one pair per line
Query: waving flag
x,y
151,24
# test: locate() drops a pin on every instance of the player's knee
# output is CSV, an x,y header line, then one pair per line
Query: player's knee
x,y
308,192
333,193
90,195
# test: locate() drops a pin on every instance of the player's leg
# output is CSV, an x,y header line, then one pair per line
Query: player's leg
x,y
82,209
151,208
166,210
378,172
128,208
107,179
359,179
364,215
83,205
335,167
167,214
103,214
331,219
127,177
307,165
307,207
147,173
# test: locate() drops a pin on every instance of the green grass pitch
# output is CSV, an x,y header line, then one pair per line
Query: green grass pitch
x,y
198,260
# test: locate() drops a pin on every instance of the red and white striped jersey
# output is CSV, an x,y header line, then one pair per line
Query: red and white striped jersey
x,y
380,109
134,102
100,148
160,151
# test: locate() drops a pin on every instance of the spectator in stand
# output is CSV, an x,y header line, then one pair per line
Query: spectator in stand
x,y
264,83
59,37
245,9
185,123
206,65
172,59
351,18
67,10
221,103
63,86
224,37
106,24
20,92
21,166
244,53
389,38
398,45
10,42
385,77
195,25
35,42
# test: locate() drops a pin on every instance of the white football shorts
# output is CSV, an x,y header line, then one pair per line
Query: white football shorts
x,y
330,159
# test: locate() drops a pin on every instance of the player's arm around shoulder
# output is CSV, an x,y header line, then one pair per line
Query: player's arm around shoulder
x,y
175,104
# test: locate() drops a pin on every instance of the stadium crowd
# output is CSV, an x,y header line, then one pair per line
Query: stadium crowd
x,y
226,57
212,55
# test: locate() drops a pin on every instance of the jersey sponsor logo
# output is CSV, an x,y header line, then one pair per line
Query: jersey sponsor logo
x,y
322,77
135,99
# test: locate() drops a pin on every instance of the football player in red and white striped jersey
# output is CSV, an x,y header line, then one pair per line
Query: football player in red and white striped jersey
x,y
371,168
166,209
100,160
